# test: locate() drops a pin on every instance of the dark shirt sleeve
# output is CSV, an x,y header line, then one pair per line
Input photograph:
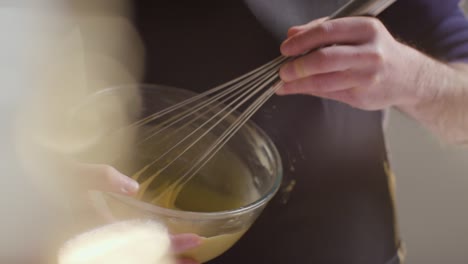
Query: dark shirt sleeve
x,y
436,27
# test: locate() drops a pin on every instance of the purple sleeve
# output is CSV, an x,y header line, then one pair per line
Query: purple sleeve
x,y
437,27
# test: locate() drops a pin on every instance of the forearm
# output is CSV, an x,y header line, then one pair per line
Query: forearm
x,y
373,71
443,99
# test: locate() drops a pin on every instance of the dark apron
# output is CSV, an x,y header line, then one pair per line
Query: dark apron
x,y
340,209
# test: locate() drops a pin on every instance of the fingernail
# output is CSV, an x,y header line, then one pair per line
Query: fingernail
x,y
284,48
130,186
286,72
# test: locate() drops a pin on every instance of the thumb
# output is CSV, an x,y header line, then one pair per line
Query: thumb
x,y
184,242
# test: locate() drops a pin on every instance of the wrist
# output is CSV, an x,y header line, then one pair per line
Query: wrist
x,y
427,81
440,102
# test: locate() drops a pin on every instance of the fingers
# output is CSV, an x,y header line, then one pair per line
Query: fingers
x,y
321,83
184,242
327,82
105,178
350,87
299,28
326,60
293,31
350,30
349,60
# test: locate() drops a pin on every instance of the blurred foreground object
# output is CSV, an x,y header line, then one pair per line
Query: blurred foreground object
x,y
88,46
53,55
120,243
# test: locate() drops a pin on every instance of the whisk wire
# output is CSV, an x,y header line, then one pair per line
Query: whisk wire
x,y
229,97
185,114
228,110
277,61
221,141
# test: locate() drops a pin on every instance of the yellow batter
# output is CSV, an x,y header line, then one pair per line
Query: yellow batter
x,y
214,246
196,196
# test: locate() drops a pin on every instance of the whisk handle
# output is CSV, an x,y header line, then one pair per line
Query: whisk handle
x,y
362,7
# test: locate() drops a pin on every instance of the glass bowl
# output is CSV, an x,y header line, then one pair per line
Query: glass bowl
x,y
223,199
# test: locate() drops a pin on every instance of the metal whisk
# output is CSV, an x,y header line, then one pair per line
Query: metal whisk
x,y
199,115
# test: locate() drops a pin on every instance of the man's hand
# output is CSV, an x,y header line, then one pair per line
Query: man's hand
x,y
354,60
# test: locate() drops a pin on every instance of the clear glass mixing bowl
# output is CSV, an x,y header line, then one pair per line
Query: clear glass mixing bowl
x,y
246,170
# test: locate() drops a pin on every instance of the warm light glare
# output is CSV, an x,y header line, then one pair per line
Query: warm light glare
x,y
53,55
120,243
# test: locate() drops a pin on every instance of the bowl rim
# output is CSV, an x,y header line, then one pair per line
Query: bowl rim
x,y
263,200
